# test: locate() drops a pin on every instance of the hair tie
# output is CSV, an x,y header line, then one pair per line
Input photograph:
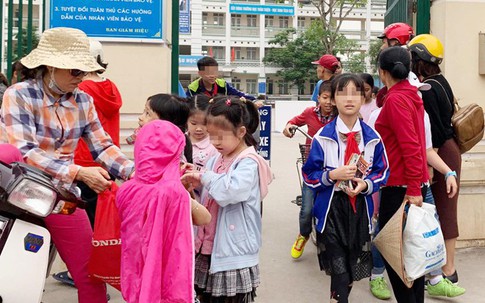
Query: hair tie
x,y
228,102
211,101
399,62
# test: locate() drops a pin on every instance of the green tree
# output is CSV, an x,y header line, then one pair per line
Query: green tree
x,y
25,50
331,15
294,53
373,52
356,63
294,56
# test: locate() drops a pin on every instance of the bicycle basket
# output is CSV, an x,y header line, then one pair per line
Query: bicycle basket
x,y
304,151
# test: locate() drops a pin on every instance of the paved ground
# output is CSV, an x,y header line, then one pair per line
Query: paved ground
x,y
285,280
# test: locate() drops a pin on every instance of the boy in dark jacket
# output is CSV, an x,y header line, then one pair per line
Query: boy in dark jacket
x,y
208,83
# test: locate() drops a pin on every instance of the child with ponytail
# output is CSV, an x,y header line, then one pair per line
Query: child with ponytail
x,y
234,184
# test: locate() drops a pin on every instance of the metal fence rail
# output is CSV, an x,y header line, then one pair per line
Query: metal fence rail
x,y
17,47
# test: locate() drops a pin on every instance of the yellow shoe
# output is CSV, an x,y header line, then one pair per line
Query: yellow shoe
x,y
298,246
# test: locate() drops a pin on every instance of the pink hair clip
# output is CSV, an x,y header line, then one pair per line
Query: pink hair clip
x,y
228,102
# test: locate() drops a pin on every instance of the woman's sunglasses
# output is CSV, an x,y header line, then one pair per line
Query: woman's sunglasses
x,y
77,72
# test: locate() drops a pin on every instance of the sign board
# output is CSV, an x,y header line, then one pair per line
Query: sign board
x,y
254,9
186,60
264,149
184,16
112,19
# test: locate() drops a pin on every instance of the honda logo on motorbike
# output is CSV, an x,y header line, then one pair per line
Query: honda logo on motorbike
x,y
33,242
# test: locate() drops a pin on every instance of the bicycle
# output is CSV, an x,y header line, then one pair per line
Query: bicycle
x,y
304,151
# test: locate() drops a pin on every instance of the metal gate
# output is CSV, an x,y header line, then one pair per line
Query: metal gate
x,y
18,34
412,12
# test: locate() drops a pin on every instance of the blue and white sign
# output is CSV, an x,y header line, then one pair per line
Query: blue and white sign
x,y
264,149
184,16
124,19
254,9
262,88
186,60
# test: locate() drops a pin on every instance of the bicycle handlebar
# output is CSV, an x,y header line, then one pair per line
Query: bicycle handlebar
x,y
296,128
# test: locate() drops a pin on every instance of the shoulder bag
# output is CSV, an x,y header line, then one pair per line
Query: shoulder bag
x,y
467,122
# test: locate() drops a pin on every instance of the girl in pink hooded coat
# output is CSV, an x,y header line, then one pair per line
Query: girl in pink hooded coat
x,y
156,226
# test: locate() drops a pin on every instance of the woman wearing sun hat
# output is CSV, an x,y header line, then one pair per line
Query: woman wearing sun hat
x,y
45,117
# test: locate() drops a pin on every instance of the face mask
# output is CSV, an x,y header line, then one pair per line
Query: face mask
x,y
53,85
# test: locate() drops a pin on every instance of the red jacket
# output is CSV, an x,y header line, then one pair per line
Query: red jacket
x,y
401,126
310,118
107,101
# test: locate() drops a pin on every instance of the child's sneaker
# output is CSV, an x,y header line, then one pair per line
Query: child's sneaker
x,y
445,288
453,278
298,246
379,288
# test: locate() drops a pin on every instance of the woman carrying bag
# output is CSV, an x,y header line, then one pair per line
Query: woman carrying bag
x,y
45,117
406,150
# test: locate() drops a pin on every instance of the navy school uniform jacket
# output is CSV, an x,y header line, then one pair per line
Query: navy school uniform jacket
x,y
324,157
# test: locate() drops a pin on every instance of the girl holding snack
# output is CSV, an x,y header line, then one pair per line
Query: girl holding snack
x,y
343,213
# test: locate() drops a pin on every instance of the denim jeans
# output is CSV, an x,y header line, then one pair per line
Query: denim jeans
x,y
378,264
429,196
306,210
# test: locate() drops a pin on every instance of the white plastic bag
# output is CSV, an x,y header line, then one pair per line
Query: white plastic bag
x,y
423,244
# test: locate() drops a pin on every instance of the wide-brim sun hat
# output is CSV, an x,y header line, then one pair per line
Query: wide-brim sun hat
x,y
389,242
64,48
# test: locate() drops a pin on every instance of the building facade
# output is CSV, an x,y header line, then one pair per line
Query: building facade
x,y
237,35
460,27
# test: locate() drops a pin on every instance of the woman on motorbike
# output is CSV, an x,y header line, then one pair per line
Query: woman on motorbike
x,y
45,117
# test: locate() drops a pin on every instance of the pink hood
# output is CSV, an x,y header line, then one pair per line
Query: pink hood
x,y
157,152
265,174
156,225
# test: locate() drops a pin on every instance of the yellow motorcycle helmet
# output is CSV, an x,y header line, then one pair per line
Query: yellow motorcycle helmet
x,y
427,47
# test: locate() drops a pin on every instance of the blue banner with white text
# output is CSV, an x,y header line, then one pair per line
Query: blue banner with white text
x,y
254,9
184,15
124,19
264,149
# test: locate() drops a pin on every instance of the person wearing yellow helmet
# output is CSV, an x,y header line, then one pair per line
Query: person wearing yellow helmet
x,y
427,53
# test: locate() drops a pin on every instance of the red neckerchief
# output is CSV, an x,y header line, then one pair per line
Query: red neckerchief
x,y
351,148
213,92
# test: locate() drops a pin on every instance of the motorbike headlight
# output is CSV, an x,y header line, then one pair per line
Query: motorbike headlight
x,y
33,197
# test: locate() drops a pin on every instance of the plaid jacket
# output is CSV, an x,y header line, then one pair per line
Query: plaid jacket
x,y
47,132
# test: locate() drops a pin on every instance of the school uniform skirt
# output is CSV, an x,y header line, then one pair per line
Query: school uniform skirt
x,y
232,286
447,207
344,245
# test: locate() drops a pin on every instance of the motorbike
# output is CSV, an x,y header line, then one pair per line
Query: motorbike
x,y
27,195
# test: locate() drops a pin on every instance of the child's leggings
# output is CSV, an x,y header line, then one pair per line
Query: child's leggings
x,y
72,235
340,287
